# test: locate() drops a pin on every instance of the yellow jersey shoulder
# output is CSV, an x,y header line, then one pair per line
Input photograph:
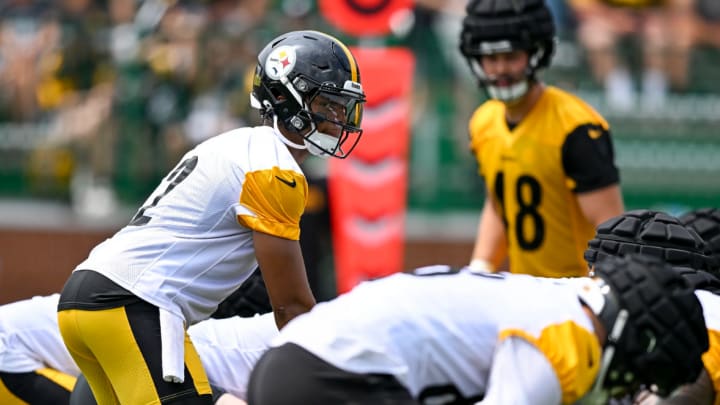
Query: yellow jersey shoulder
x,y
556,109
484,117
570,110
573,352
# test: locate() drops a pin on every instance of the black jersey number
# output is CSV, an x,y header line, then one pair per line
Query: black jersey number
x,y
176,176
528,195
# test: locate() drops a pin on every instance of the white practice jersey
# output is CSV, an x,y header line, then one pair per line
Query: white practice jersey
x,y
448,330
30,339
230,347
190,245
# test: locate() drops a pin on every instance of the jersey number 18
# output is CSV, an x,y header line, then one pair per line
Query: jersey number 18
x,y
528,195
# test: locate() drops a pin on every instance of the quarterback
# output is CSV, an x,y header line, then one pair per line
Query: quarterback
x,y
545,156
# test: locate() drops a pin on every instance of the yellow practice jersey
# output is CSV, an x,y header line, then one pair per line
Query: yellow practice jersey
x,y
533,172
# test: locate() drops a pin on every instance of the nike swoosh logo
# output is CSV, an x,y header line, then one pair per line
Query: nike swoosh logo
x,y
292,183
594,133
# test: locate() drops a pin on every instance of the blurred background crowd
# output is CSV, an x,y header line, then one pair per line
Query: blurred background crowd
x,y
98,98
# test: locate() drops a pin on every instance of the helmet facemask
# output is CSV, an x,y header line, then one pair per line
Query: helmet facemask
x,y
601,300
492,27
508,94
330,107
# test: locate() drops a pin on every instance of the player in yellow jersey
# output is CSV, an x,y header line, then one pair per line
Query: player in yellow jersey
x,y
546,157
232,204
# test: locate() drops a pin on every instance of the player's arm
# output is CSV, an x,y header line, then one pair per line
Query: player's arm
x,y
600,205
589,161
521,375
490,242
283,270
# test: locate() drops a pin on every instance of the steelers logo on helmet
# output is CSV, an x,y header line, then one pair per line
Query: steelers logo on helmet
x,y
280,62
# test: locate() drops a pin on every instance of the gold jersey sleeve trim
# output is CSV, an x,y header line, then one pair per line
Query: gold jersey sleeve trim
x,y
573,352
277,198
711,360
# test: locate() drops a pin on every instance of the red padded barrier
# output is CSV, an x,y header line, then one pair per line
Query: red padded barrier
x,y
367,191
363,17
370,191
367,249
385,133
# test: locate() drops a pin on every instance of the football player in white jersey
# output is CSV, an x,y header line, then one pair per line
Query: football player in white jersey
x,y
36,368
233,202
659,234
481,338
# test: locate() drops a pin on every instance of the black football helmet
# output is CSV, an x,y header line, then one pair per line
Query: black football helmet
x,y
303,68
660,237
706,222
658,234
656,332
499,26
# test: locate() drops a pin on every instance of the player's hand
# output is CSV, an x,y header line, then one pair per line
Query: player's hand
x,y
646,397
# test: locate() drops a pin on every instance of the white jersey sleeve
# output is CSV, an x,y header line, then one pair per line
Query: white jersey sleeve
x,y
30,338
521,375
